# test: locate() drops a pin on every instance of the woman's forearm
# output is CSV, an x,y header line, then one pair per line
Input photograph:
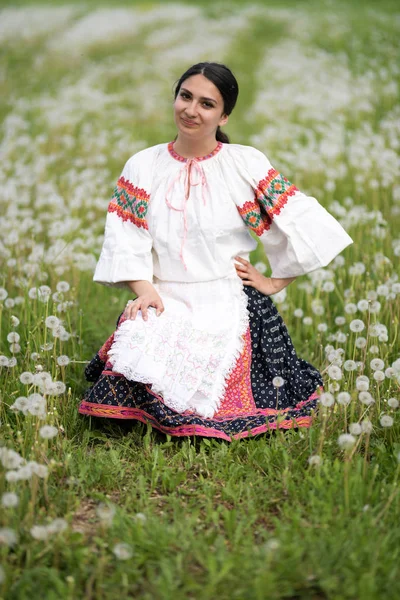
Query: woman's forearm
x,y
141,287
280,284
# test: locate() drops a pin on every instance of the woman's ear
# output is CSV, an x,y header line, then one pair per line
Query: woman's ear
x,y
223,120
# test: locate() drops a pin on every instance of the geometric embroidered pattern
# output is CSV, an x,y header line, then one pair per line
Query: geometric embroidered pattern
x,y
130,203
271,195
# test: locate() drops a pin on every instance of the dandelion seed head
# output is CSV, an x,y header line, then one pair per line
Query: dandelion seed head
x,y
350,365
3,294
366,426
26,378
379,376
377,364
315,460
322,327
48,431
393,403
340,321
106,513
363,305
335,372
326,399
52,321
40,532
278,382
355,428
328,286
343,398
298,312
14,321
357,325
8,537
123,551
63,360
13,337
307,321
9,500
366,398
386,421
374,349
346,441
63,286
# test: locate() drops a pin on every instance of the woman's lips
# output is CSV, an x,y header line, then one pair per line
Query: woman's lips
x,y
188,122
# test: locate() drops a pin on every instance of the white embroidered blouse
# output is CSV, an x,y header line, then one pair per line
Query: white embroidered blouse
x,y
184,220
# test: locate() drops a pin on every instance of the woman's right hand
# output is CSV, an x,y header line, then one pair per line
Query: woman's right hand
x,y
148,297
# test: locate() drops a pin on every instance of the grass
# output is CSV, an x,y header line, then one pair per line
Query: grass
x,y
203,519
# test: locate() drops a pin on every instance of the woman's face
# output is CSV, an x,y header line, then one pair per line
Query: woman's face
x,y
199,108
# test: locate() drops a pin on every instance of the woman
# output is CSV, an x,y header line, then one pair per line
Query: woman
x,y
202,349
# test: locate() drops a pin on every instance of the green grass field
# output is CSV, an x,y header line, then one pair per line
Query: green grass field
x,y
96,510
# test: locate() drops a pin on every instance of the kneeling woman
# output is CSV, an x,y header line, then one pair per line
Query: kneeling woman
x,y
202,349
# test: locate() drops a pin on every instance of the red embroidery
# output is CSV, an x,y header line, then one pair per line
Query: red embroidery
x,y
130,203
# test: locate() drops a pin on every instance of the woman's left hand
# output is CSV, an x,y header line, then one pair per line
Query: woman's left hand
x,y
250,276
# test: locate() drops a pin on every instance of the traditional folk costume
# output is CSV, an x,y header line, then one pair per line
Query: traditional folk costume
x,y
208,365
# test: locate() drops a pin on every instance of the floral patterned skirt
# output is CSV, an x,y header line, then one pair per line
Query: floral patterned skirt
x,y
270,386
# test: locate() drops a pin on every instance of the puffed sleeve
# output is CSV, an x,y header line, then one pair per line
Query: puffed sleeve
x,y
297,233
126,254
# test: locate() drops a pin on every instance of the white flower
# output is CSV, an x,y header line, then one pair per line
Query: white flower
x,y
40,532
14,321
63,360
350,365
366,398
334,386
362,383
13,337
48,431
26,378
377,364
15,348
328,286
63,286
298,312
357,325
340,321
35,356
374,349
140,517
278,382
350,308
21,404
10,459
363,305
315,460
3,361
12,362
379,376
9,500
123,551
355,428
47,346
360,342
51,322
393,403
271,545
8,537
343,398
106,513
326,399
3,294
346,441
57,526
335,372
307,321
322,327
366,426
386,421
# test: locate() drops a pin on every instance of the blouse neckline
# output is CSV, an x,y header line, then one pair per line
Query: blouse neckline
x,y
182,159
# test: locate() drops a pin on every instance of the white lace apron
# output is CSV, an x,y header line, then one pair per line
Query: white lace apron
x,y
188,352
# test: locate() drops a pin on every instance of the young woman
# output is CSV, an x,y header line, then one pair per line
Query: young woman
x,y
202,349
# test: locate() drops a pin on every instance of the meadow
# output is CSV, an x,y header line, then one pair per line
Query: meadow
x,y
100,510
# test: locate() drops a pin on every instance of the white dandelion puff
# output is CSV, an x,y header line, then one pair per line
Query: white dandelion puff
x,y
350,365
299,313
379,376
63,360
13,337
340,321
52,321
14,321
346,441
123,551
350,308
8,537
366,398
40,532
322,327
63,286
377,364
26,378
326,399
343,398
386,421
362,383
360,342
366,426
393,403
9,500
315,460
335,372
106,513
278,382
355,428
3,294
48,431
363,305
357,325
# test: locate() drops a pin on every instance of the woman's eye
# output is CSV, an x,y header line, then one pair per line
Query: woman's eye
x,y
184,95
208,104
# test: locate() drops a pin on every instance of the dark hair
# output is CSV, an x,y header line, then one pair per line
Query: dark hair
x,y
223,79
